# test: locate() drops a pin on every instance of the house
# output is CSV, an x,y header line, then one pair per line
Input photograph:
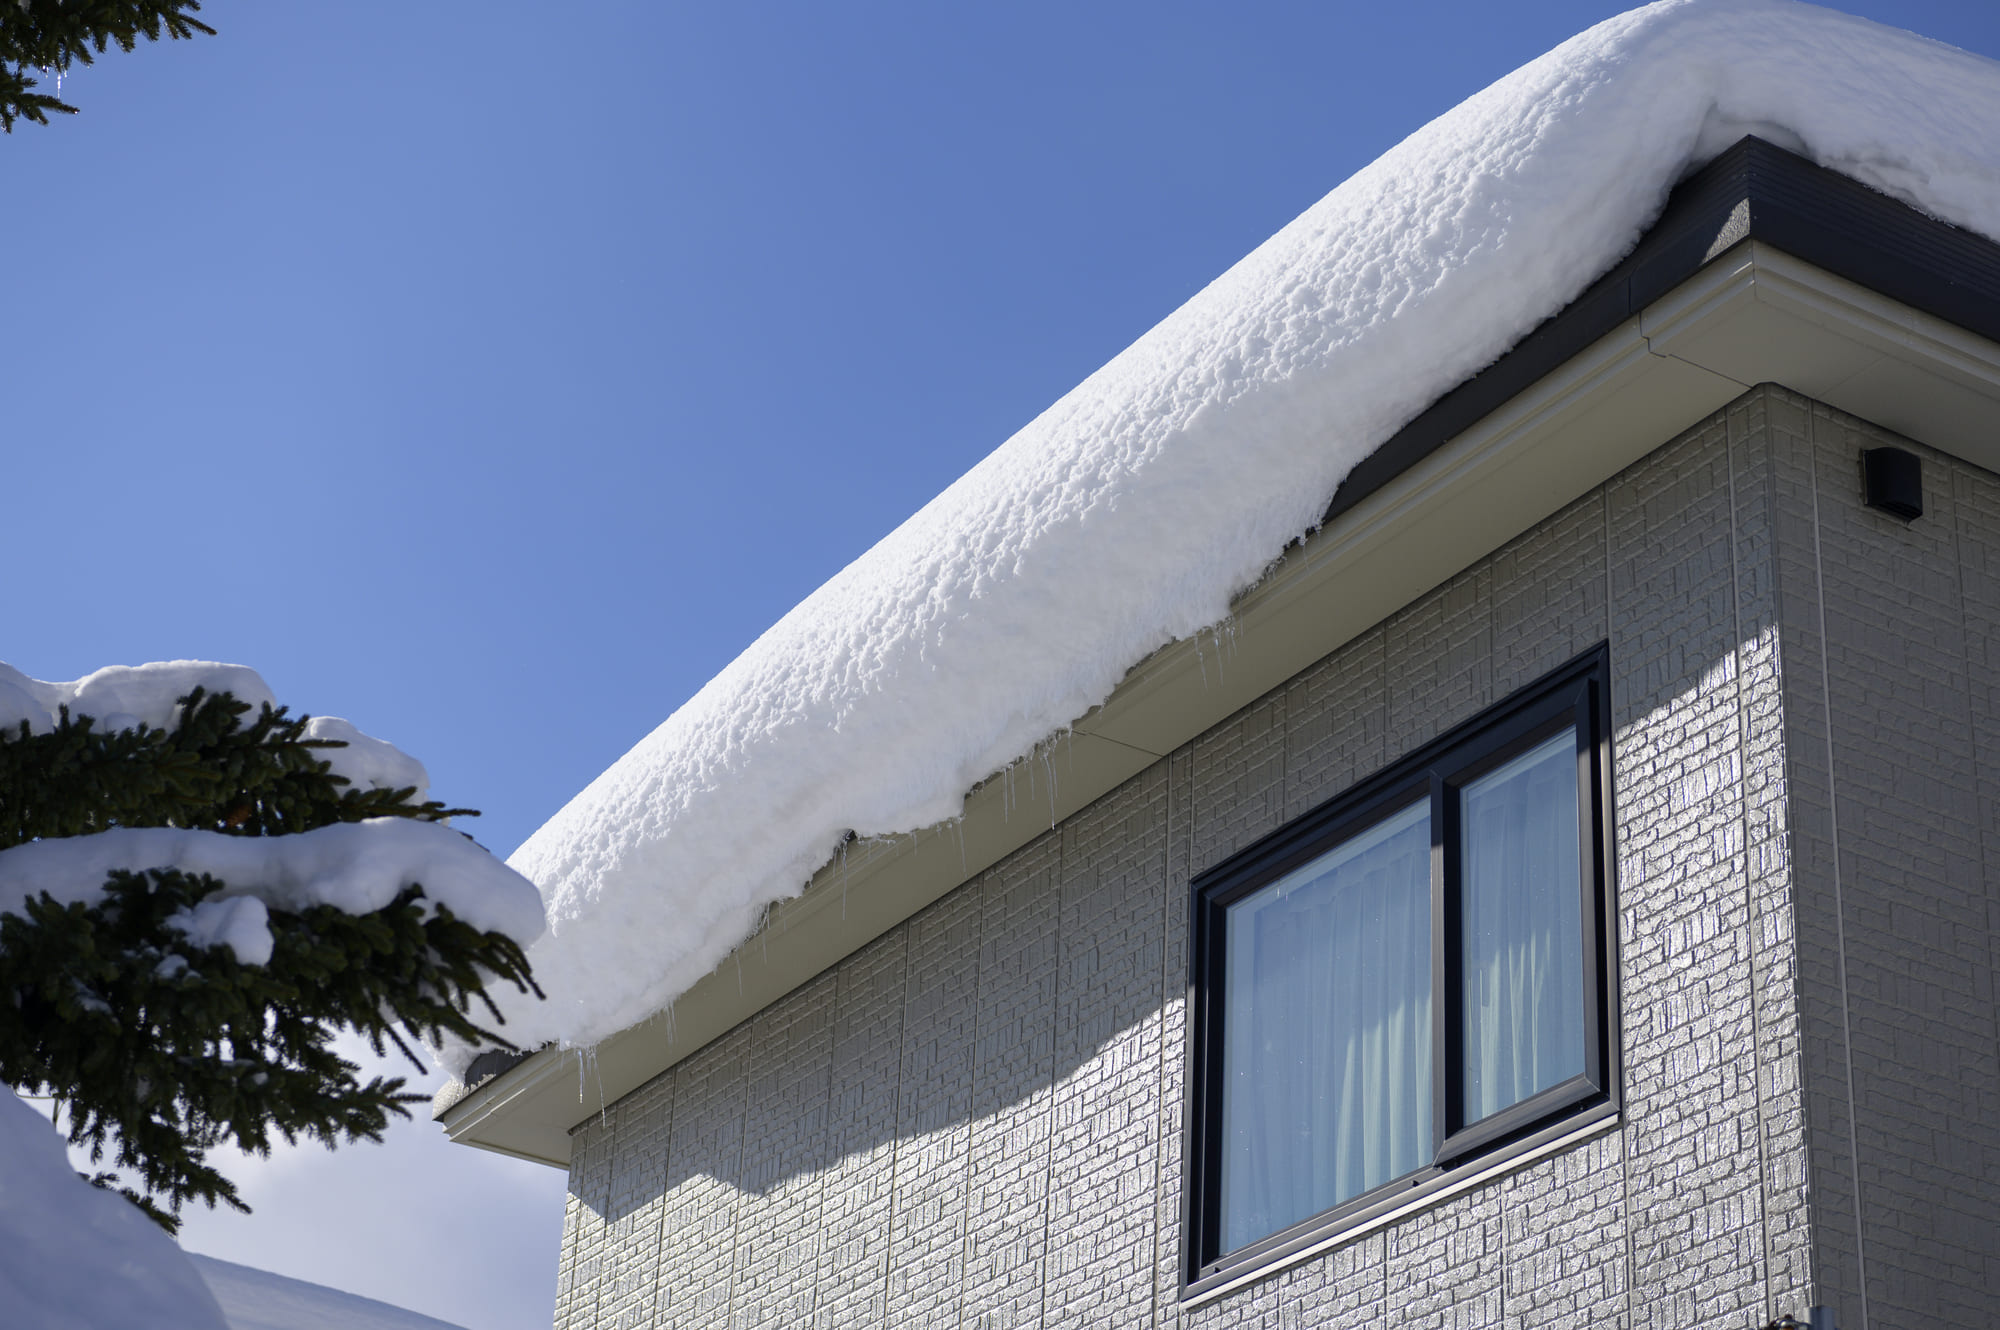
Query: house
x,y
1558,897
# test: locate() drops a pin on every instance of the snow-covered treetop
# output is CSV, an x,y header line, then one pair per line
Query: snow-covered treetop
x,y
1131,512
124,697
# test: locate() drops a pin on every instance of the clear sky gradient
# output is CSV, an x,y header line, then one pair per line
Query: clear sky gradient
x,y
492,373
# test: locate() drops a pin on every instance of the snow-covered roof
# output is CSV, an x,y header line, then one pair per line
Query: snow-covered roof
x,y
1132,512
253,1299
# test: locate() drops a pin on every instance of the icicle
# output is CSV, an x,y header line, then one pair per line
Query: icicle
x,y
587,1069
1049,770
846,841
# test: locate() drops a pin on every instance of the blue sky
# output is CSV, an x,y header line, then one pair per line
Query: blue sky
x,y
491,374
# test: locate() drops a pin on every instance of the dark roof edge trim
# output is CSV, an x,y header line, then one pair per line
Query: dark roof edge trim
x,y
1754,191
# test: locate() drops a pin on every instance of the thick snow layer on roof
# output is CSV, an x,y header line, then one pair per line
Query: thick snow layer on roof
x,y
1132,511
78,1256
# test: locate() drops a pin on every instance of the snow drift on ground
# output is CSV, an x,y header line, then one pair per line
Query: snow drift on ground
x,y
1132,511
73,1255
254,1299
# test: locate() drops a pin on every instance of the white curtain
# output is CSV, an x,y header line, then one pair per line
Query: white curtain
x,y
1327,1042
1522,929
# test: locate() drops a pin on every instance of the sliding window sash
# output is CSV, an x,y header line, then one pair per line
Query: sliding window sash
x,y
1574,697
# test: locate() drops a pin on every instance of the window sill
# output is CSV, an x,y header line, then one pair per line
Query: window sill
x,y
1555,1139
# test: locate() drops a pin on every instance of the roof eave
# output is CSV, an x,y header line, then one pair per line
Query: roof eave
x,y
1763,268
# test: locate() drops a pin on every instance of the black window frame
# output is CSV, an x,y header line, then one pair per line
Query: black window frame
x,y
1578,693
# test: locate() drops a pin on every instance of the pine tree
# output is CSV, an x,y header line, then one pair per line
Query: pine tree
x,y
158,1049
50,36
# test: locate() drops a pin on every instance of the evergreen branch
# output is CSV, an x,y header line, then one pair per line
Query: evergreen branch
x,y
212,772
160,1050
19,101
54,35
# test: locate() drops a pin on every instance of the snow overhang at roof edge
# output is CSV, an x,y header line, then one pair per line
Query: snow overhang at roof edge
x,y
1753,198
1135,510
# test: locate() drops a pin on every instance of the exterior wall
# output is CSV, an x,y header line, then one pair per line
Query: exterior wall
x,y
977,1120
1893,630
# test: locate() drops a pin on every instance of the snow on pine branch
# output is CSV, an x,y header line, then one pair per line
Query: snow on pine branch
x,y
357,867
124,697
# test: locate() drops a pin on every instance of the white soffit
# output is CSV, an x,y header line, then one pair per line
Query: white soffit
x,y
1753,315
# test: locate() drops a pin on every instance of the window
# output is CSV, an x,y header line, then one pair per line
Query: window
x,y
1406,984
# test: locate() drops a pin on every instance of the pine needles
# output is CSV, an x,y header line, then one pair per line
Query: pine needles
x,y
160,1049
50,36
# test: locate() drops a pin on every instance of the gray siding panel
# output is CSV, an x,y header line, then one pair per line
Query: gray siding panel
x,y
1896,933
1168,1099
852,1280
787,1082
1337,714
1439,661
978,1120
704,1162
1822,1018
1977,502
1567,1233
1105,1126
638,1128
1771,904
933,1113
586,1234
1690,1050
1013,1092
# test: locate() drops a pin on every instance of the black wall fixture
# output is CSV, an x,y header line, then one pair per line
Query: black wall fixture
x,y
1893,480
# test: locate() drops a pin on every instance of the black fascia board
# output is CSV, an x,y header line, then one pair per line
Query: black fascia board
x,y
1754,191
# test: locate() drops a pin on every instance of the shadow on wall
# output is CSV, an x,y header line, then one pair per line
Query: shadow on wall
x,y
1034,991
1803,800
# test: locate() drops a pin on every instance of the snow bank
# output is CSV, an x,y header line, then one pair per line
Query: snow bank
x,y
1132,511
73,1255
124,697
354,866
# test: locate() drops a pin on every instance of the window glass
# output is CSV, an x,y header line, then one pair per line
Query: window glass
x,y
1384,1004
1327,1070
1521,930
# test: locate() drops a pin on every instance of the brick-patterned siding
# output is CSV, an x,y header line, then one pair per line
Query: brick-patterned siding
x,y
977,1120
1890,630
